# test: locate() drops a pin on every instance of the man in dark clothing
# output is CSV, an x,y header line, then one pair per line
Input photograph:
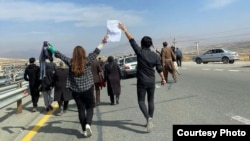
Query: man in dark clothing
x,y
31,74
178,57
147,60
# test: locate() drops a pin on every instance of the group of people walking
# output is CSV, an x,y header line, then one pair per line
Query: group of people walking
x,y
83,76
52,86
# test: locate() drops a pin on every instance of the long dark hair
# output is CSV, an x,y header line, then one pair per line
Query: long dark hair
x,y
78,61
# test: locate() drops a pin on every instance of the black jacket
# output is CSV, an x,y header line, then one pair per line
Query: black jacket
x,y
147,61
47,81
31,74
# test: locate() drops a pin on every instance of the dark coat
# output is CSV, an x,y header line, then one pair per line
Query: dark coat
x,y
47,81
60,78
31,74
112,75
96,68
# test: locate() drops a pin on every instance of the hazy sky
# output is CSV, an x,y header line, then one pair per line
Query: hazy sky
x,y
25,24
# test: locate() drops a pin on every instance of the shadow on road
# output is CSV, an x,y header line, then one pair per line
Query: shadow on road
x,y
245,66
122,124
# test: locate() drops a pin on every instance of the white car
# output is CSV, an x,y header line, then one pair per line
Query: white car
x,y
217,55
128,66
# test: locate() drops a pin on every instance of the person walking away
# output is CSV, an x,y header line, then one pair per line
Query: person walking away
x,y
147,60
112,75
47,86
61,94
167,56
96,70
32,74
174,61
178,57
101,63
80,81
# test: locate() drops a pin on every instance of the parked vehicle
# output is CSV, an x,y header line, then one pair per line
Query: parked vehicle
x,y
217,55
5,80
119,61
128,66
19,76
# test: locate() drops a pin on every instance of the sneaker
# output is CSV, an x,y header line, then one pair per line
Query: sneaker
x,y
149,125
60,111
84,133
34,109
88,130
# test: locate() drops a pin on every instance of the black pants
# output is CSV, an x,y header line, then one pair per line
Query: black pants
x,y
34,92
142,91
64,104
178,61
85,102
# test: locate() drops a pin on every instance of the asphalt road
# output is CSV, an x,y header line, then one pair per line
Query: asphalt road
x,y
211,93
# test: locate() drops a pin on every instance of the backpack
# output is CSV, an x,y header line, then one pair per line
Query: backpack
x,y
47,81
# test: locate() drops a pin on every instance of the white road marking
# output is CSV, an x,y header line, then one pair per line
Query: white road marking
x,y
206,69
234,70
241,119
219,69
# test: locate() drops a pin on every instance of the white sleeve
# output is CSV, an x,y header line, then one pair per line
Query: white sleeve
x,y
100,46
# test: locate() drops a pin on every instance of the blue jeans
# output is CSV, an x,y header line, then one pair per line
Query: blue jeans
x,y
48,97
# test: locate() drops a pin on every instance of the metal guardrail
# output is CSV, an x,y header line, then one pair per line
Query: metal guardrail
x,y
7,88
13,93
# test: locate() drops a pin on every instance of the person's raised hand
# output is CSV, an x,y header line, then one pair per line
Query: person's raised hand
x,y
122,27
105,38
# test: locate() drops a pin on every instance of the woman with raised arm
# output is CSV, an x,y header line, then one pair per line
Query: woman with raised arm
x,y
80,81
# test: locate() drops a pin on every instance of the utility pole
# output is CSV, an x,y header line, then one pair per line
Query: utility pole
x,y
174,42
197,47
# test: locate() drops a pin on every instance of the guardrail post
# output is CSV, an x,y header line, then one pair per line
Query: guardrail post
x,y
19,106
19,102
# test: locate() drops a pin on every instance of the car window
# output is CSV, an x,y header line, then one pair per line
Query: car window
x,y
121,62
219,51
130,59
214,51
208,52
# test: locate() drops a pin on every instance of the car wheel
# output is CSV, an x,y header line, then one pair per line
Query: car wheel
x,y
231,61
198,60
225,60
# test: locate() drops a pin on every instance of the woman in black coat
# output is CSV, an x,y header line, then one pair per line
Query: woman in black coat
x,y
61,94
112,75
